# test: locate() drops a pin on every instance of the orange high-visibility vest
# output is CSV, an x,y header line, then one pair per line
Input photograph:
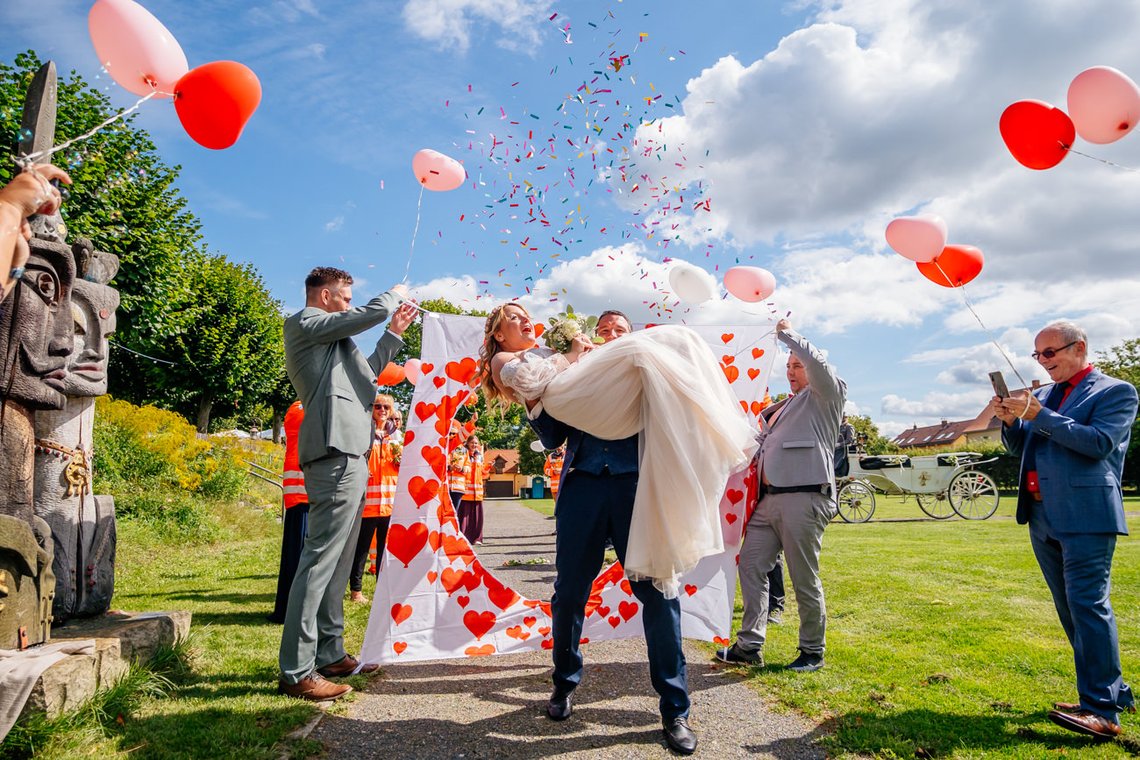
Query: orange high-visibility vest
x,y
292,479
553,470
458,465
477,472
383,472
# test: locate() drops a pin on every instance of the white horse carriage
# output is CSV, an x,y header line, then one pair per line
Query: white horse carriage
x,y
942,484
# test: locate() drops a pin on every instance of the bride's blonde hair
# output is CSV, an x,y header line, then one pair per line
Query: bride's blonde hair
x,y
495,397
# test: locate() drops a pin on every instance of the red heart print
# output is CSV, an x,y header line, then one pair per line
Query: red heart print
x,y
399,646
439,381
529,621
731,373
401,612
721,640
690,589
452,580
434,540
757,353
424,410
463,600
628,589
547,644
484,651
583,640
728,359
426,368
435,457
756,407
753,373
516,632
461,371
727,337
422,491
627,610
409,436
614,620
500,595
458,548
544,630
734,495
405,542
730,517
432,575
479,622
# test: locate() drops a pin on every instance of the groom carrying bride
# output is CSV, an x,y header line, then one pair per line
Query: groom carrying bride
x,y
596,496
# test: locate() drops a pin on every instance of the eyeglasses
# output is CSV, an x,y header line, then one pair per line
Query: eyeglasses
x,y
1049,353
382,406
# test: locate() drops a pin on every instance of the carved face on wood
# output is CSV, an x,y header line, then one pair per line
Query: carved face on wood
x,y
93,310
37,329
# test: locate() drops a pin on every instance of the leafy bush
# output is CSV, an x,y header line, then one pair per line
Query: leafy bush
x,y
161,473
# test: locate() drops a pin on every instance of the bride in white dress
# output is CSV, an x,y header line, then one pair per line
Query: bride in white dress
x,y
663,383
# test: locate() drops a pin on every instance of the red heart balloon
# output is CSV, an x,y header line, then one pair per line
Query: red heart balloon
x,y
1038,134
954,267
215,100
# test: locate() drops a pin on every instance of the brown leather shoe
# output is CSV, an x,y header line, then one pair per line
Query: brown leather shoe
x,y
347,667
313,688
1085,722
1069,707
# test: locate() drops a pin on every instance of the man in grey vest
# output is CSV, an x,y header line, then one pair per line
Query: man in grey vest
x,y
336,385
796,468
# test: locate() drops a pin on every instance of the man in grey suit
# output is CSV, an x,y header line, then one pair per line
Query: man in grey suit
x,y
796,468
336,385
1072,437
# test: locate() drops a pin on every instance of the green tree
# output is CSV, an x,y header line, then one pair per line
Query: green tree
x,y
1123,363
530,461
124,199
228,345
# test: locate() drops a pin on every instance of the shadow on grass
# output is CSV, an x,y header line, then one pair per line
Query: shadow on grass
x,y
928,733
233,731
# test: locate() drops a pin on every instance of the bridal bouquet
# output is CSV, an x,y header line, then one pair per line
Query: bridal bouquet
x,y
564,328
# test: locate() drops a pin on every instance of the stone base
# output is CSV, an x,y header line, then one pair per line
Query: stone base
x,y
140,634
120,638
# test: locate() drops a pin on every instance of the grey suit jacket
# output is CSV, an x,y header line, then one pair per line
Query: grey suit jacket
x,y
799,449
335,382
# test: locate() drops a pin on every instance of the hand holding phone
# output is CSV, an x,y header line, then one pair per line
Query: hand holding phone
x,y
998,382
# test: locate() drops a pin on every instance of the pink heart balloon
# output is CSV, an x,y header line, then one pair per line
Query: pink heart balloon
x,y
919,238
1104,104
436,171
413,370
750,284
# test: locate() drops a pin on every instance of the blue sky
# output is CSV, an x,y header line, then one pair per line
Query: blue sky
x,y
780,135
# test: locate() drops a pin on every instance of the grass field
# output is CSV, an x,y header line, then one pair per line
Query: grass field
x,y
942,640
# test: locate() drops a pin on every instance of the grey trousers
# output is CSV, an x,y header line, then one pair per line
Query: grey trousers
x,y
793,522
313,636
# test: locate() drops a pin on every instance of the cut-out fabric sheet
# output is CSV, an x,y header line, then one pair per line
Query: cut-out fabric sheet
x,y
435,599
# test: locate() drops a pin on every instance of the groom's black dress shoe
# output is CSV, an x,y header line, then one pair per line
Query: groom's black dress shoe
x,y
559,707
680,737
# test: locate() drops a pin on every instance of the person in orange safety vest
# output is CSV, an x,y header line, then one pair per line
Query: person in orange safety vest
x,y
553,469
380,494
296,516
470,512
457,464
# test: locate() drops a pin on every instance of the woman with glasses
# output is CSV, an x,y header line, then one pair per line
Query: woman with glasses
x,y
383,471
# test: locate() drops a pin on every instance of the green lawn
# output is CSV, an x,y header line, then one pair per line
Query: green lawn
x,y
943,641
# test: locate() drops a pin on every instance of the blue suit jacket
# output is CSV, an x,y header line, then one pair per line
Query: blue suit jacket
x,y
585,452
1080,455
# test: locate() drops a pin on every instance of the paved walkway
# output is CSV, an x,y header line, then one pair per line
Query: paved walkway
x,y
492,707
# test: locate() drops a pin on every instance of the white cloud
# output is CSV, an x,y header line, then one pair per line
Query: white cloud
x,y
335,224
949,406
450,23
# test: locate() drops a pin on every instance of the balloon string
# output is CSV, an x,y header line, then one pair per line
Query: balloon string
x,y
415,231
1102,160
29,159
961,287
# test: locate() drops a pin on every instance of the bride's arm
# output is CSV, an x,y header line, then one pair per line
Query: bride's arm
x,y
526,376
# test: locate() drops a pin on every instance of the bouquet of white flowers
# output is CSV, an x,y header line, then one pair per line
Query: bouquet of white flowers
x,y
564,328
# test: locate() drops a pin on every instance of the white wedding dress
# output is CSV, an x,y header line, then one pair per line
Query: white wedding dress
x,y
664,383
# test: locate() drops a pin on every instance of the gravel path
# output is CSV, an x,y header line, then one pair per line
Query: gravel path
x,y
492,707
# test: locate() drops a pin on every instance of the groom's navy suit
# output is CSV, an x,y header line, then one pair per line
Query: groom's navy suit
x,y
595,502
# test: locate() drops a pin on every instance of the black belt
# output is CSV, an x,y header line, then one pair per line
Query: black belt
x,y
816,488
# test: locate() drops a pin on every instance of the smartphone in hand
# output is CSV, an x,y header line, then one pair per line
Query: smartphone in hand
x,y
998,382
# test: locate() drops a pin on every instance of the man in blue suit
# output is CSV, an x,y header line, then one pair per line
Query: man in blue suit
x,y
1072,437
595,503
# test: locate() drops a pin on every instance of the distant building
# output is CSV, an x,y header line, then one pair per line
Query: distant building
x,y
985,428
504,482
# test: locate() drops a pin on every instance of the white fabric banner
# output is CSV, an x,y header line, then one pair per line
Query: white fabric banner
x,y
435,599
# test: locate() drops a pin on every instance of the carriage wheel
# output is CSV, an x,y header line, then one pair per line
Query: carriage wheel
x,y
934,505
973,495
856,502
